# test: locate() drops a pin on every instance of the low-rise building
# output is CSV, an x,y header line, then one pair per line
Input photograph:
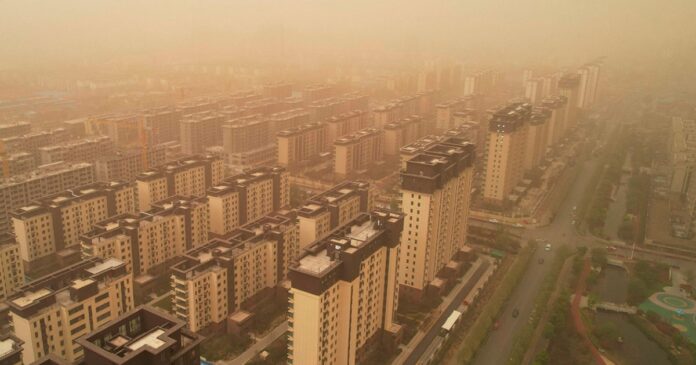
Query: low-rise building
x,y
142,336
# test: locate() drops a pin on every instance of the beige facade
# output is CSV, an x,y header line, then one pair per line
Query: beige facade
x,y
302,143
56,222
346,123
87,149
218,278
11,268
436,194
54,311
537,136
247,197
344,292
507,138
333,208
152,238
127,164
358,151
20,190
190,176
200,131
449,114
556,123
402,132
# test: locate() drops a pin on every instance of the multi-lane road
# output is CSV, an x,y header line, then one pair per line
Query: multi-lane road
x,y
560,232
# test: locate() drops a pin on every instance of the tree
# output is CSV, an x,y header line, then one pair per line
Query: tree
x,y
599,257
607,333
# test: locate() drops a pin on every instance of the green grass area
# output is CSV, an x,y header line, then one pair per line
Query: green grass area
x,y
224,346
479,330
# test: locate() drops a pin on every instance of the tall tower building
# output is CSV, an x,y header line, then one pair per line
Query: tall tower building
x,y
507,139
344,292
436,192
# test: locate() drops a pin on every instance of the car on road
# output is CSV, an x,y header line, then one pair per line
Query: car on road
x,y
518,225
541,260
496,325
547,247
515,313
493,220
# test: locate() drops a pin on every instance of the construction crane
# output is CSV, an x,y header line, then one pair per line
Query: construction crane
x,y
143,138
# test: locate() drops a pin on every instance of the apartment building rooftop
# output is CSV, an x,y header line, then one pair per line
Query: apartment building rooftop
x,y
404,122
156,337
175,166
10,347
343,116
67,197
226,247
65,286
539,115
44,171
357,136
334,196
510,117
338,256
419,145
301,129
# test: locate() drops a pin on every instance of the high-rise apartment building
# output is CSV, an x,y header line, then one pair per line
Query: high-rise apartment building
x,y
452,113
55,222
346,123
124,130
18,191
248,142
569,86
335,207
189,176
506,146
358,151
200,131
247,197
127,164
288,119
19,163
277,90
11,268
163,124
302,143
150,239
403,132
218,278
15,129
84,150
52,312
436,193
142,336
345,293
537,137
556,125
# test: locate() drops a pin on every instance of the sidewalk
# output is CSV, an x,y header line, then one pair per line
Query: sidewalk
x,y
257,347
409,348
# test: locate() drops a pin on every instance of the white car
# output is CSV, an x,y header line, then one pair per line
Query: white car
x,y
493,220
547,247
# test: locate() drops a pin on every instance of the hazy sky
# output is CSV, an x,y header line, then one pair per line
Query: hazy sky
x,y
42,31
